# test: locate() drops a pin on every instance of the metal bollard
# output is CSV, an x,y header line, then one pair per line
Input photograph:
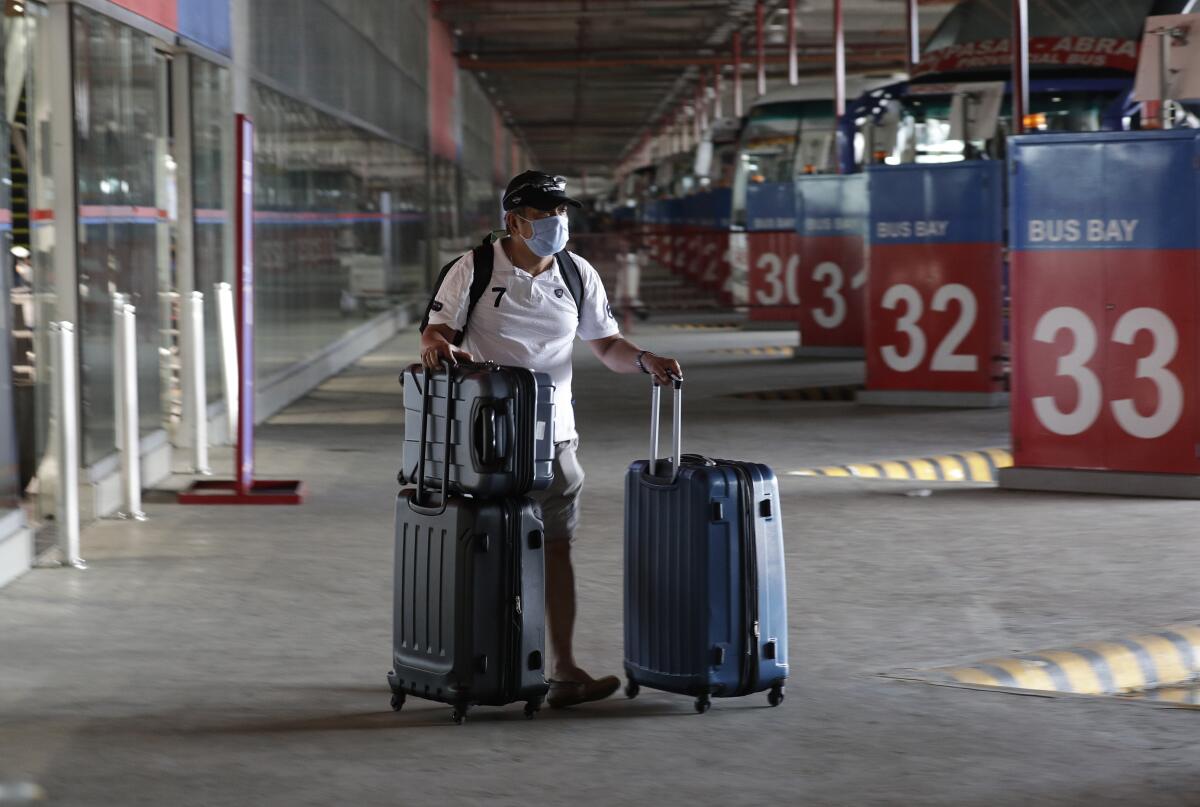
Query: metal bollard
x,y
125,336
194,312
65,392
229,357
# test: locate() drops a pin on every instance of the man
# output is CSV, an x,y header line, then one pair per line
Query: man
x,y
529,317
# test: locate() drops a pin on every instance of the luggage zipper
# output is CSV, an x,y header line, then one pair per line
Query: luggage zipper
x,y
749,580
527,412
513,519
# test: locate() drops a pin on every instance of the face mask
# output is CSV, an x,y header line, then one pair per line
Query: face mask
x,y
549,235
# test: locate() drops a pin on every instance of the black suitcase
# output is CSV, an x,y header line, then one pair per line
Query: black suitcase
x,y
502,429
469,608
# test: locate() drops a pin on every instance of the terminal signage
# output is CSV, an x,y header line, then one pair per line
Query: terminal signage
x,y
1105,295
828,282
772,251
935,287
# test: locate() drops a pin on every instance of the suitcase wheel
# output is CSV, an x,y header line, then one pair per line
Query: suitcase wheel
x,y
632,688
397,702
459,714
775,696
702,704
532,708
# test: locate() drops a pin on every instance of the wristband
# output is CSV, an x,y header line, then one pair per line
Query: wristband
x,y
638,362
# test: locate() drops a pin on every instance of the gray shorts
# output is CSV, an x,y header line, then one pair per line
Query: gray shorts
x,y
560,501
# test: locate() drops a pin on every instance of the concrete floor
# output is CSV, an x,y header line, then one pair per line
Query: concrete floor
x,y
237,656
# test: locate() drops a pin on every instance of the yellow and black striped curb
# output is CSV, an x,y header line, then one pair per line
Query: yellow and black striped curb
x,y
705,326
836,392
774,350
1188,696
965,466
1148,661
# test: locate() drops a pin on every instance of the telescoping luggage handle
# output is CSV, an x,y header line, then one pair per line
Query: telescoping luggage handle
x,y
418,503
676,426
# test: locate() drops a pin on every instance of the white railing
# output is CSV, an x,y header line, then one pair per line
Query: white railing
x,y
125,378
65,393
229,358
192,313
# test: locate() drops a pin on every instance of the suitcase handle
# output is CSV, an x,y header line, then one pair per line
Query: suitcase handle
x,y
418,502
676,427
486,445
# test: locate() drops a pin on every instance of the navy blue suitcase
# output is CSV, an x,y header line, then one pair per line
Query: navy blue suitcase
x,y
705,590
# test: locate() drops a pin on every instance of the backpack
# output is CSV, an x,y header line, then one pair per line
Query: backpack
x,y
483,258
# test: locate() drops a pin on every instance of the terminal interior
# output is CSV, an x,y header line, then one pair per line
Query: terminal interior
x,y
932,262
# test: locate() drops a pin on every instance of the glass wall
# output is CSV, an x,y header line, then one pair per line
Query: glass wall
x,y
479,198
212,162
9,484
340,229
41,62
121,154
365,58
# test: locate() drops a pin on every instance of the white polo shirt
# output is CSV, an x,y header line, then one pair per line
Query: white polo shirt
x,y
527,321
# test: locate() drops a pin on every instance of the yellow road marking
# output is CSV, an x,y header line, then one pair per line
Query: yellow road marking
x,y
977,465
1126,669
1028,674
952,470
924,470
1167,661
972,675
945,467
1157,665
1078,670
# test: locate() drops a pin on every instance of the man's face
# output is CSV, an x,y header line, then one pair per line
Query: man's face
x,y
519,219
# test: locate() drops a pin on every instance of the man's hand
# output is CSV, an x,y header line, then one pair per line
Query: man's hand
x,y
433,356
663,369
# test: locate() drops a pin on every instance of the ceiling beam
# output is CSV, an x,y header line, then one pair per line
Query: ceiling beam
x,y
871,56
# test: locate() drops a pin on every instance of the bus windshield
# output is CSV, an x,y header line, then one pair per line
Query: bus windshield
x,y
779,141
926,131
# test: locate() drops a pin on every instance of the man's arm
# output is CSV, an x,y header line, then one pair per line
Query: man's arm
x,y
437,344
620,355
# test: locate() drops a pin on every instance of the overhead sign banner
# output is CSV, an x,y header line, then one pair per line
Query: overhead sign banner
x,y
1044,51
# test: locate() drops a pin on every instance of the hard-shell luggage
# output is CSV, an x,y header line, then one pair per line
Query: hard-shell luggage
x,y
469,607
501,434
705,594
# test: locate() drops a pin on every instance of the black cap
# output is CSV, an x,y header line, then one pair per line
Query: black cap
x,y
537,190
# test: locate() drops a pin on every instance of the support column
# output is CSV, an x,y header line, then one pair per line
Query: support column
x,y
239,12
913,47
62,164
839,84
737,73
760,46
1020,63
793,63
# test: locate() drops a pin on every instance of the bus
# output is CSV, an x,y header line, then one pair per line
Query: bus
x,y
957,104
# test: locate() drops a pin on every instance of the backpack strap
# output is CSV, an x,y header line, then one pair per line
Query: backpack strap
x,y
482,259
572,278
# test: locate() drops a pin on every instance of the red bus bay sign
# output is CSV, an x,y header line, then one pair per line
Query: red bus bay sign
x,y
1044,51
